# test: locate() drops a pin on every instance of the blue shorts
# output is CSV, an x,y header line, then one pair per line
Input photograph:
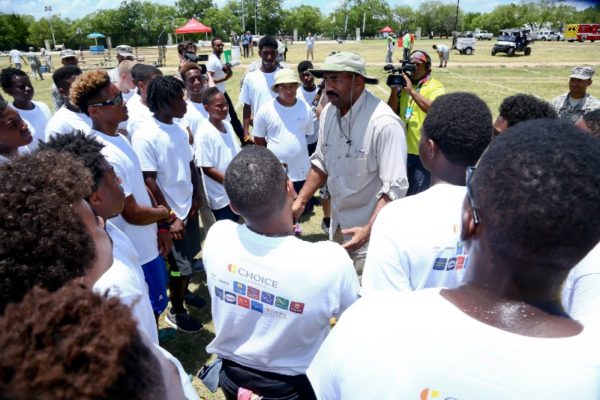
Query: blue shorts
x,y
155,272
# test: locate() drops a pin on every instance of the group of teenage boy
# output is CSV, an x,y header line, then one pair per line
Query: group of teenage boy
x,y
100,206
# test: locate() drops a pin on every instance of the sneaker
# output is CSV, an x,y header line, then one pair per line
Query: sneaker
x,y
325,227
184,322
192,300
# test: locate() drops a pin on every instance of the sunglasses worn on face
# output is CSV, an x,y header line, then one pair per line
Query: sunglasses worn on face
x,y
115,101
470,173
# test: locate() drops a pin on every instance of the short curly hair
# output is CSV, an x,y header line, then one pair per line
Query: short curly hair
x,y
74,344
537,189
84,148
592,121
461,125
86,88
7,75
522,107
43,240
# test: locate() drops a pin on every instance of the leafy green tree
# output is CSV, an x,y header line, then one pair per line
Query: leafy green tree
x,y
304,18
405,18
14,31
438,17
193,8
64,31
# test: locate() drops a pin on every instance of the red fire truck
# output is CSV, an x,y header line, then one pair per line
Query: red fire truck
x,y
582,32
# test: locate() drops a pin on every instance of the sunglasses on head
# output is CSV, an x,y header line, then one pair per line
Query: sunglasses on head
x,y
115,101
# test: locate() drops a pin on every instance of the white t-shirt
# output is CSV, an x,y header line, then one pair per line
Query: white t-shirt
x,y
273,297
285,129
216,149
125,280
309,97
120,155
137,114
194,118
415,242
36,119
67,121
15,56
581,290
420,346
256,89
215,66
165,149
310,42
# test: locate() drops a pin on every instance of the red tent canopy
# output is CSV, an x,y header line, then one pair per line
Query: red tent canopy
x,y
193,26
387,29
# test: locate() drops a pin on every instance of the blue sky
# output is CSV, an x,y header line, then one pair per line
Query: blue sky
x,y
77,8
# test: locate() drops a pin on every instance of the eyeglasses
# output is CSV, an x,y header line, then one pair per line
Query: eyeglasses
x,y
470,173
115,101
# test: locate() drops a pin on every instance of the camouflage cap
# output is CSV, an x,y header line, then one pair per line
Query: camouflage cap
x,y
584,73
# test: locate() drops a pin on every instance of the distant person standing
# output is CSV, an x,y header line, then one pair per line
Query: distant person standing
x,y
15,58
310,45
406,45
390,49
47,59
572,105
34,63
67,57
246,41
443,53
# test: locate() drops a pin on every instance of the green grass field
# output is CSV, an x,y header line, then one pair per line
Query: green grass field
x,y
542,74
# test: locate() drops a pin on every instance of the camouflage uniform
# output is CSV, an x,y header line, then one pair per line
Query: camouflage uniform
x,y
569,113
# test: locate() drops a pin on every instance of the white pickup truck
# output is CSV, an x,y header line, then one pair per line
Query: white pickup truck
x,y
483,35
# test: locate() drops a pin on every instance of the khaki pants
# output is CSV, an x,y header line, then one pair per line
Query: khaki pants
x,y
357,256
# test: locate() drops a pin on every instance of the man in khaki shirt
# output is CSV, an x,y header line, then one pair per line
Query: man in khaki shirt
x,y
361,153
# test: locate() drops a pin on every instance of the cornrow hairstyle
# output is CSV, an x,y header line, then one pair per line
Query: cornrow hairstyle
x,y
162,90
75,344
84,148
461,125
43,240
7,75
61,76
208,95
87,86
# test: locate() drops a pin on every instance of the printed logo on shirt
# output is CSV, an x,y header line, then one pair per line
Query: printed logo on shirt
x,y
256,306
254,277
460,248
432,394
243,302
460,262
219,293
232,268
282,303
440,264
451,264
253,293
230,297
296,307
267,298
239,287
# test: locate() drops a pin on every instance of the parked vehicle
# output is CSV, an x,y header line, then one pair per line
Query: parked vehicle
x,y
511,41
548,35
464,42
481,35
582,32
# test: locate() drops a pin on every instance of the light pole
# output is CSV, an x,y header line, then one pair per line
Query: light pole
x,y
255,17
456,20
49,10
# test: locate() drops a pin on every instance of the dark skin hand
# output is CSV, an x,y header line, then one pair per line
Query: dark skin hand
x,y
177,227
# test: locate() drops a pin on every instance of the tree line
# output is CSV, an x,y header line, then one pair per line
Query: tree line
x,y
142,23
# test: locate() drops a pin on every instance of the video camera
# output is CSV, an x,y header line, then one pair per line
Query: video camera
x,y
395,78
188,55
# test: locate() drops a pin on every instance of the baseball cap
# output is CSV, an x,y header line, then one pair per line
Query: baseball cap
x,y
284,76
125,51
67,53
584,73
344,61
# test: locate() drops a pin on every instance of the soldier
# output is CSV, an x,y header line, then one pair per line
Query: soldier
x,y
571,106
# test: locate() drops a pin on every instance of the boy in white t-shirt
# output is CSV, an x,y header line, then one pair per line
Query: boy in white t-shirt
x,y
273,294
257,85
145,224
415,243
531,213
68,118
282,126
215,149
14,132
17,84
137,106
162,146
195,82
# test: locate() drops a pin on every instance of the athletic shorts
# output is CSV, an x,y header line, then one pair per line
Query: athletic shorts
x,y
155,273
181,258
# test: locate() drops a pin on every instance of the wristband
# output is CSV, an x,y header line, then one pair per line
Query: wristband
x,y
163,230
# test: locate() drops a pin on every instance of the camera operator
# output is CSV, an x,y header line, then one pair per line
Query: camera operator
x,y
220,73
411,102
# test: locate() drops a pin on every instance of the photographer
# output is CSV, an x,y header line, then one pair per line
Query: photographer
x,y
412,101
220,73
